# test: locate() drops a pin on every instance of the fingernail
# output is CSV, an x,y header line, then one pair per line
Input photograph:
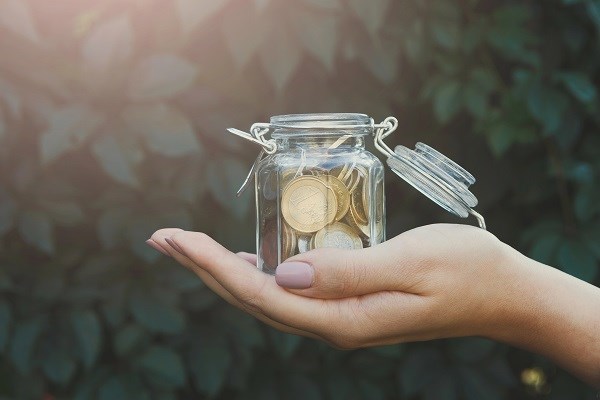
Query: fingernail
x,y
156,247
294,275
174,245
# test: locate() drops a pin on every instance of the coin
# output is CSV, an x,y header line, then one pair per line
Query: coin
x,y
361,228
308,204
341,193
288,245
338,235
357,209
304,244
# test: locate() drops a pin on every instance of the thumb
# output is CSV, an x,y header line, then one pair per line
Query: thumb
x,y
336,273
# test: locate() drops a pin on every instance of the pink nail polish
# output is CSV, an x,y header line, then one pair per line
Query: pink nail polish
x,y
174,245
156,247
294,275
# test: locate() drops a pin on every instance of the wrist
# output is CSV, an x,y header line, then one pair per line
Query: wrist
x,y
548,312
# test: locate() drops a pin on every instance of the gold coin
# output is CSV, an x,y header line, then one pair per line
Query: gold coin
x,y
356,208
341,193
288,245
338,235
361,228
308,204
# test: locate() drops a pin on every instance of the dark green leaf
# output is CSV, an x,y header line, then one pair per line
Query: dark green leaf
x,y
579,85
576,259
446,101
128,338
24,341
113,389
111,226
471,349
58,365
545,247
67,130
65,213
36,229
15,16
162,365
163,128
161,76
8,208
109,45
421,368
88,334
547,105
447,34
154,314
5,324
210,359
284,343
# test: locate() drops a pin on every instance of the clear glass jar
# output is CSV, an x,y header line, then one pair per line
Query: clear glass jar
x,y
320,188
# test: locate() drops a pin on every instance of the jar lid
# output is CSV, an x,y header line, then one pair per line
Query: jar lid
x,y
309,124
436,176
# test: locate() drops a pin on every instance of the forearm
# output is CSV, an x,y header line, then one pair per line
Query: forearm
x,y
553,314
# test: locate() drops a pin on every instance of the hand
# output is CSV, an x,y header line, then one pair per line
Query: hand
x,y
431,282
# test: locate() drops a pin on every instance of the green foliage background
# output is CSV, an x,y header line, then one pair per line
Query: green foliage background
x,y
112,124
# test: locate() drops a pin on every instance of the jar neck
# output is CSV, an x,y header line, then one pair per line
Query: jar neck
x,y
320,142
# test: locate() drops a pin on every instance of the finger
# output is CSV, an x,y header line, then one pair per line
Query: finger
x,y
251,258
337,273
257,291
160,239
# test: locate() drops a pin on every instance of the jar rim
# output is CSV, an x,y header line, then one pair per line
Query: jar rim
x,y
321,123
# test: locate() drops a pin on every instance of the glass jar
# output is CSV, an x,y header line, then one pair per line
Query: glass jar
x,y
319,187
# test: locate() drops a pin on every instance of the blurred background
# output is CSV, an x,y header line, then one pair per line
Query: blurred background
x,y
112,124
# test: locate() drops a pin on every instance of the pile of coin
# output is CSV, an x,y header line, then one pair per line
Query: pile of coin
x,y
323,208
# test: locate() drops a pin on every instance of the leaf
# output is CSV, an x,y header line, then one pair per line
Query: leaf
x,y
371,13
163,366
164,129
576,259
209,361
284,344
280,58
193,12
161,76
113,389
446,101
109,45
224,178
137,231
321,39
24,341
8,208
5,324
242,37
579,85
58,365
447,34
68,128
118,158
421,368
111,226
88,334
15,16
471,349
547,106
150,312
127,339
36,230
65,213
476,100
544,248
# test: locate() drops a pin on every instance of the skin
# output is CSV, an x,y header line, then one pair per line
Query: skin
x,y
436,281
